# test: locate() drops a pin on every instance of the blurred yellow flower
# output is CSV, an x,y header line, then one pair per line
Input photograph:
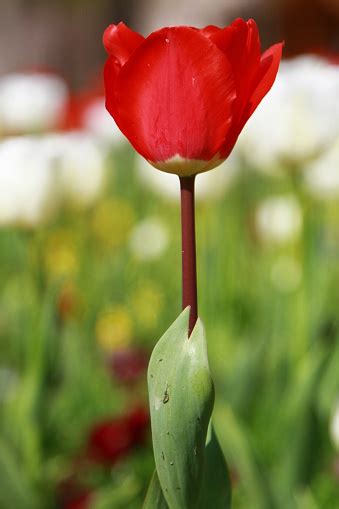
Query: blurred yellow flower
x,y
147,303
114,328
60,256
112,221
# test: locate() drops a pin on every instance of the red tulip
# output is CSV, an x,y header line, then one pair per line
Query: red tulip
x,y
128,364
71,495
182,95
81,502
111,440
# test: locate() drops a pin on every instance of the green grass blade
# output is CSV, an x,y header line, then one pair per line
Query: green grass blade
x,y
216,485
155,498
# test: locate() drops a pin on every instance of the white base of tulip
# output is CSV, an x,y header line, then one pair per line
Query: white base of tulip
x,y
186,167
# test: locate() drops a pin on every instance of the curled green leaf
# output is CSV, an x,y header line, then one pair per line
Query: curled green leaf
x,y
181,401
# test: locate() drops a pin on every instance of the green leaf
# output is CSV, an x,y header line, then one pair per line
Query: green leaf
x,y
181,401
155,498
216,484
241,454
15,489
119,494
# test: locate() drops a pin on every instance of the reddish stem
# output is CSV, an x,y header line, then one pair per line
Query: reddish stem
x,y
189,266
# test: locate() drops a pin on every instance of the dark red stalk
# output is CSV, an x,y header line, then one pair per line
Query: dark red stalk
x,y
189,266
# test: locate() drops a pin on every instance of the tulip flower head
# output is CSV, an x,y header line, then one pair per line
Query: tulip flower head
x,y
182,95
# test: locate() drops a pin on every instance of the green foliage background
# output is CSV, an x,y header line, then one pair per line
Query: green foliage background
x,y
273,355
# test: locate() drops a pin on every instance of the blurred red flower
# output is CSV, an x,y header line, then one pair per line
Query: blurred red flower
x,y
79,502
111,440
128,364
72,495
182,95
77,107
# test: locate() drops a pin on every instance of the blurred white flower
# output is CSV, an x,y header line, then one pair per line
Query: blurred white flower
x,y
334,426
38,173
148,239
97,121
298,119
81,166
286,274
321,177
211,184
27,181
279,219
31,102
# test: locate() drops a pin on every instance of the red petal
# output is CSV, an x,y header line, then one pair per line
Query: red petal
x,y
239,41
269,65
210,30
175,96
120,42
241,44
111,71
254,74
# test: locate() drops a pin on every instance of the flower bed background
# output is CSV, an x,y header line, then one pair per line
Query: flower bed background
x,y
89,282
